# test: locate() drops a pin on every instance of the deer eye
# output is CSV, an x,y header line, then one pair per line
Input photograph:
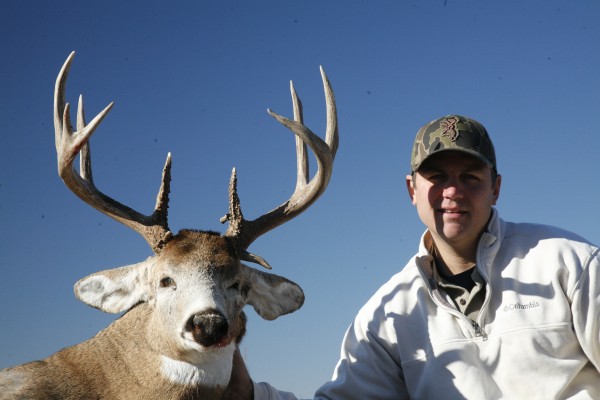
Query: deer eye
x,y
235,286
167,282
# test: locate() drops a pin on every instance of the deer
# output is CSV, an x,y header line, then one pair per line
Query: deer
x,y
182,308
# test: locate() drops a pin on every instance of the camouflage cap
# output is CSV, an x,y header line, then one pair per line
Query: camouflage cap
x,y
453,132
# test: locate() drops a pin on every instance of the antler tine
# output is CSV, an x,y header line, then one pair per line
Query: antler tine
x,y
153,228
331,132
301,152
237,222
85,155
235,216
306,192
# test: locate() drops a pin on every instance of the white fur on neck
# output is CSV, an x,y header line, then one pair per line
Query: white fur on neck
x,y
213,370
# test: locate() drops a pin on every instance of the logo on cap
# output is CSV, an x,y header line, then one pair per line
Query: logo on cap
x,y
450,129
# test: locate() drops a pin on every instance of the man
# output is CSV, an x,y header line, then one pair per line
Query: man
x,y
486,309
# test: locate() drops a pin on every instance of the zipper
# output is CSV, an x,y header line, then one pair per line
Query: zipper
x,y
439,299
480,333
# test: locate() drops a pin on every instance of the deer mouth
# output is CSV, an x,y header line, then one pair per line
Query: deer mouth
x,y
209,329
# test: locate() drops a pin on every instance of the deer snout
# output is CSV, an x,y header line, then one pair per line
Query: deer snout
x,y
209,328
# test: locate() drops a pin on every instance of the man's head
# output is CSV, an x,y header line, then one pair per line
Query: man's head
x,y
453,181
453,132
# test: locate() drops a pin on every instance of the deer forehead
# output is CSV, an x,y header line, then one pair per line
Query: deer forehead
x,y
201,250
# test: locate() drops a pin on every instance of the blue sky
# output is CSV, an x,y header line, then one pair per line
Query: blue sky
x,y
196,78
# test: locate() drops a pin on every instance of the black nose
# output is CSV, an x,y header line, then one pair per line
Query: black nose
x,y
208,327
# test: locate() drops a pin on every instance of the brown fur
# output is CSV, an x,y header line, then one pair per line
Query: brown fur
x,y
191,244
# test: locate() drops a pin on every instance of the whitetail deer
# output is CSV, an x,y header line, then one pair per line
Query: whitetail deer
x,y
182,307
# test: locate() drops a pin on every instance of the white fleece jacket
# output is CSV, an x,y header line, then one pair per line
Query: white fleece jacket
x,y
536,337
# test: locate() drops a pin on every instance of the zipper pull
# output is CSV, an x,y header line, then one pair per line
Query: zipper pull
x,y
478,331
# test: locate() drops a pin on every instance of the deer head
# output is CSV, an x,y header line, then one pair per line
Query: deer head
x,y
195,285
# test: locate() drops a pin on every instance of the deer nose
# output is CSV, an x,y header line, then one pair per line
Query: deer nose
x,y
209,328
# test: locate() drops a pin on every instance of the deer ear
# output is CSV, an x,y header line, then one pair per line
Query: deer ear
x,y
116,290
271,295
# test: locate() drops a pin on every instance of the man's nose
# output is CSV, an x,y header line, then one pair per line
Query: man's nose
x,y
453,189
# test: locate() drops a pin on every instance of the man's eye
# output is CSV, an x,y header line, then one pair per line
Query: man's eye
x,y
436,177
471,178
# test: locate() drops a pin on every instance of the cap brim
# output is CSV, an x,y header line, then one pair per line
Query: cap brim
x,y
473,153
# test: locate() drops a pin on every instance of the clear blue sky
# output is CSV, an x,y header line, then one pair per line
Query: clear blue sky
x,y
195,78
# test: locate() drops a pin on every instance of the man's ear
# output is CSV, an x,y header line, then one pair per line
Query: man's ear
x,y
410,186
496,190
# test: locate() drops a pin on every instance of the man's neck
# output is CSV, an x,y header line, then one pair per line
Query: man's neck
x,y
453,261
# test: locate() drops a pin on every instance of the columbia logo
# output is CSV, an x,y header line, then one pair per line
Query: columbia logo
x,y
519,306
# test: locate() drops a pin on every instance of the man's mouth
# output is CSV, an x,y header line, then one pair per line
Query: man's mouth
x,y
452,211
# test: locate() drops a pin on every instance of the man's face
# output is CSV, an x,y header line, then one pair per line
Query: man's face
x,y
454,195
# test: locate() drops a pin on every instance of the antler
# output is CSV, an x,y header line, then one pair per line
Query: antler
x,y
154,228
306,192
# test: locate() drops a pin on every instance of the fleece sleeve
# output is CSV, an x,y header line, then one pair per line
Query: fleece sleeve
x,y
586,309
